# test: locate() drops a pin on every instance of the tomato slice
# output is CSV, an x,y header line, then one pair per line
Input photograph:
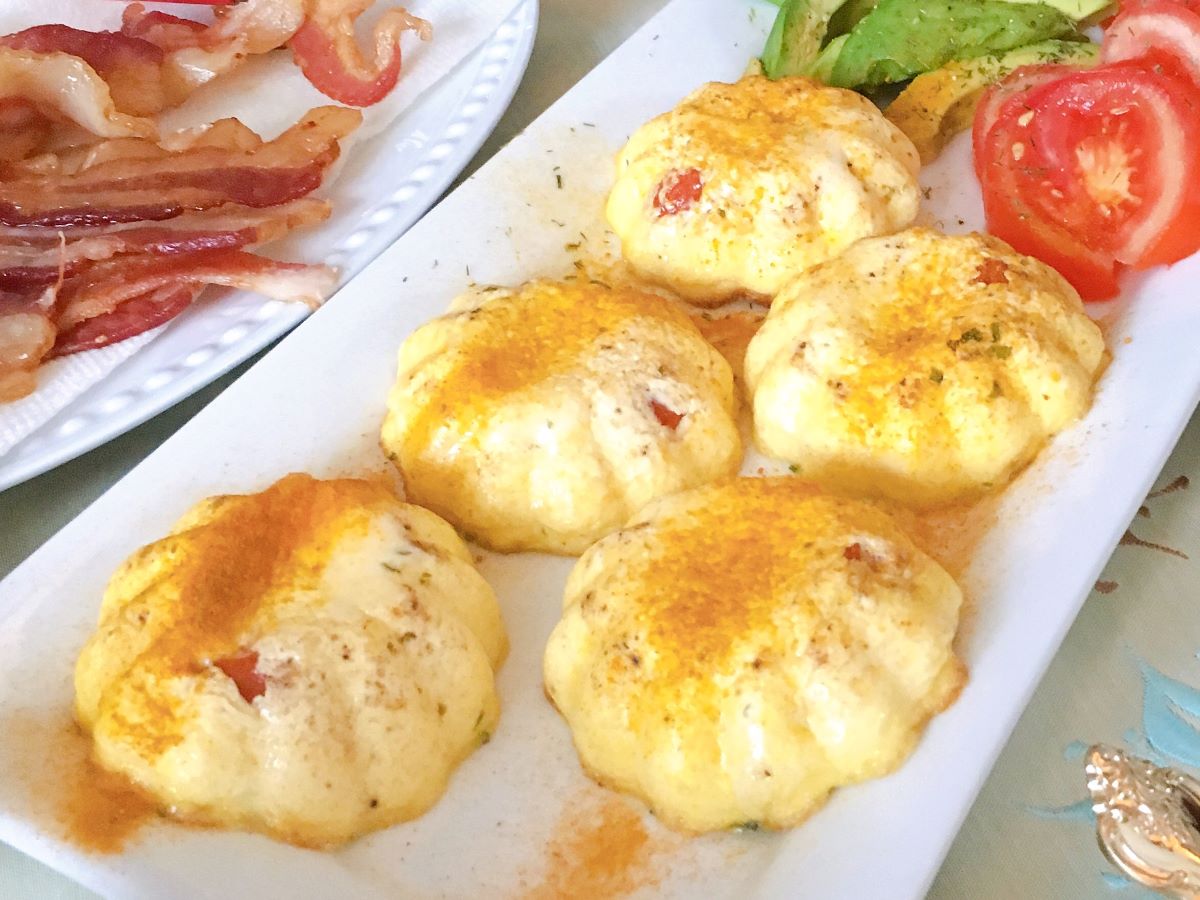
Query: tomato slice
x,y
1158,26
1093,273
1092,169
1015,86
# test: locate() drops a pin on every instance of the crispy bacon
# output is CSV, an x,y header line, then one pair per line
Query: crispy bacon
x,y
224,134
320,33
37,256
128,320
103,286
165,31
23,130
195,178
132,67
101,240
197,53
26,336
65,87
258,26
327,51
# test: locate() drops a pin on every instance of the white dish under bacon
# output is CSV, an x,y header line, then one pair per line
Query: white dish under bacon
x,y
109,226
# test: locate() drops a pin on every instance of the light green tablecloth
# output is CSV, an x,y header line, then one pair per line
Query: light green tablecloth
x,y
1017,842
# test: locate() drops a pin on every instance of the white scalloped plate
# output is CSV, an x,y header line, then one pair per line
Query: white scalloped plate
x,y
388,183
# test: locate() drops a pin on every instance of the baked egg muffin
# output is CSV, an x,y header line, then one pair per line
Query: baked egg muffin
x,y
738,651
921,367
743,186
541,418
311,662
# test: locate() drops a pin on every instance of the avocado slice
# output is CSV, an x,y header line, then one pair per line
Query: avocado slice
x,y
902,38
797,36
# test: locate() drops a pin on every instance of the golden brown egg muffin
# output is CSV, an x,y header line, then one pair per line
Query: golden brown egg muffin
x,y
311,662
541,418
921,367
738,651
743,186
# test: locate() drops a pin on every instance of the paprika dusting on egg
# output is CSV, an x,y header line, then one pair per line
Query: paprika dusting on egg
x,y
517,340
228,574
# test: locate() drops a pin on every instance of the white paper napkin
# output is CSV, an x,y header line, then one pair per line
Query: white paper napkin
x,y
268,93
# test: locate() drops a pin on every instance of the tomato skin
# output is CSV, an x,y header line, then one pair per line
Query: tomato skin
x,y
1169,31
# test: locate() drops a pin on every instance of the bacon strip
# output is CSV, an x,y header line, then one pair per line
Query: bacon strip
x,y
132,67
165,31
196,54
23,130
65,87
326,50
229,135
128,320
104,286
33,256
26,336
320,33
197,178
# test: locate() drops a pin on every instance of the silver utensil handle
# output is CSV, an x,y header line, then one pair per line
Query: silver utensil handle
x,y
1147,820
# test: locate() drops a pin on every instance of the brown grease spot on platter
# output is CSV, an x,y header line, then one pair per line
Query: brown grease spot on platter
x,y
1106,587
600,848
67,793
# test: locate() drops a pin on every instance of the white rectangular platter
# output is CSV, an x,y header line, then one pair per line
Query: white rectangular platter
x,y
315,404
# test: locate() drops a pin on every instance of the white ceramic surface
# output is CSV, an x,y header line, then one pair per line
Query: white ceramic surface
x,y
315,403
386,185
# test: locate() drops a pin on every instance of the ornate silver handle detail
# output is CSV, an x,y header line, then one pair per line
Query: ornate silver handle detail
x,y
1147,820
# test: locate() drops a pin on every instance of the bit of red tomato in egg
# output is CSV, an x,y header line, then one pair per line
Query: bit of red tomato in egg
x,y
678,191
666,416
243,671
